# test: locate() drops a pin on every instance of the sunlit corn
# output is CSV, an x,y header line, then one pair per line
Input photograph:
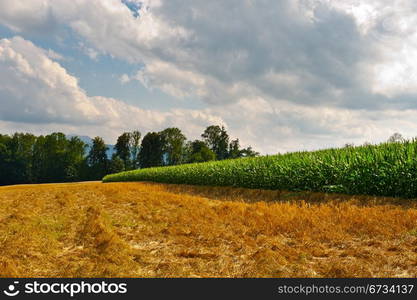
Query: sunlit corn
x,y
388,169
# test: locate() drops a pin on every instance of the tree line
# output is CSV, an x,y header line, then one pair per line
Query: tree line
x,y
26,158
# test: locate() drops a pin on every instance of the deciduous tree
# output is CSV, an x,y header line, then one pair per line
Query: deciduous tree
x,y
97,159
122,146
217,140
173,145
135,148
151,150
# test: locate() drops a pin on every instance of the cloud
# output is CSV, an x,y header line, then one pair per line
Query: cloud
x,y
39,92
90,52
172,80
34,88
309,52
283,75
34,17
124,78
274,126
54,55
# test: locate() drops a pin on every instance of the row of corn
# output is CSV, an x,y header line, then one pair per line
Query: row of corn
x,y
387,169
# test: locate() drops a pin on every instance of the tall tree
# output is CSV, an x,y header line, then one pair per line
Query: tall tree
x,y
151,150
25,158
234,149
39,159
396,138
123,148
21,150
97,159
199,152
248,152
6,163
173,145
74,159
135,148
52,154
116,164
217,139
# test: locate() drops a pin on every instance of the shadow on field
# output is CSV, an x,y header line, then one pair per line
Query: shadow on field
x,y
258,195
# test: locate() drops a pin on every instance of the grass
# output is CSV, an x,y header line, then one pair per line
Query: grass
x,y
383,170
158,230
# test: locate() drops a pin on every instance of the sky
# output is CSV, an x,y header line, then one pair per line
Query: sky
x,y
281,75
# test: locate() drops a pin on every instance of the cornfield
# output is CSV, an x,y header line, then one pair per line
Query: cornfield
x,y
387,169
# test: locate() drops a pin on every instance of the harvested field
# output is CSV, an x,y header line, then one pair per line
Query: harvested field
x,y
93,229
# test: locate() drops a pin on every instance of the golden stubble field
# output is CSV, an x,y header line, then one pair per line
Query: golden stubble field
x,y
153,230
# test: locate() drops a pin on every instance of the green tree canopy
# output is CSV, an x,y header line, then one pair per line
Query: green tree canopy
x,y
97,159
234,149
135,148
173,145
122,146
200,152
116,164
217,140
248,152
74,159
25,158
151,150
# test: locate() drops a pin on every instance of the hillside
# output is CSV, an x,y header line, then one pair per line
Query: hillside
x,y
156,230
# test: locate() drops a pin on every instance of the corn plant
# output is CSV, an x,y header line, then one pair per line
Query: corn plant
x,y
387,169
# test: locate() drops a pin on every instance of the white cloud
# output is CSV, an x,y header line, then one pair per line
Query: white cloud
x,y
309,51
172,80
90,52
391,27
34,88
36,92
280,126
54,55
283,75
124,79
